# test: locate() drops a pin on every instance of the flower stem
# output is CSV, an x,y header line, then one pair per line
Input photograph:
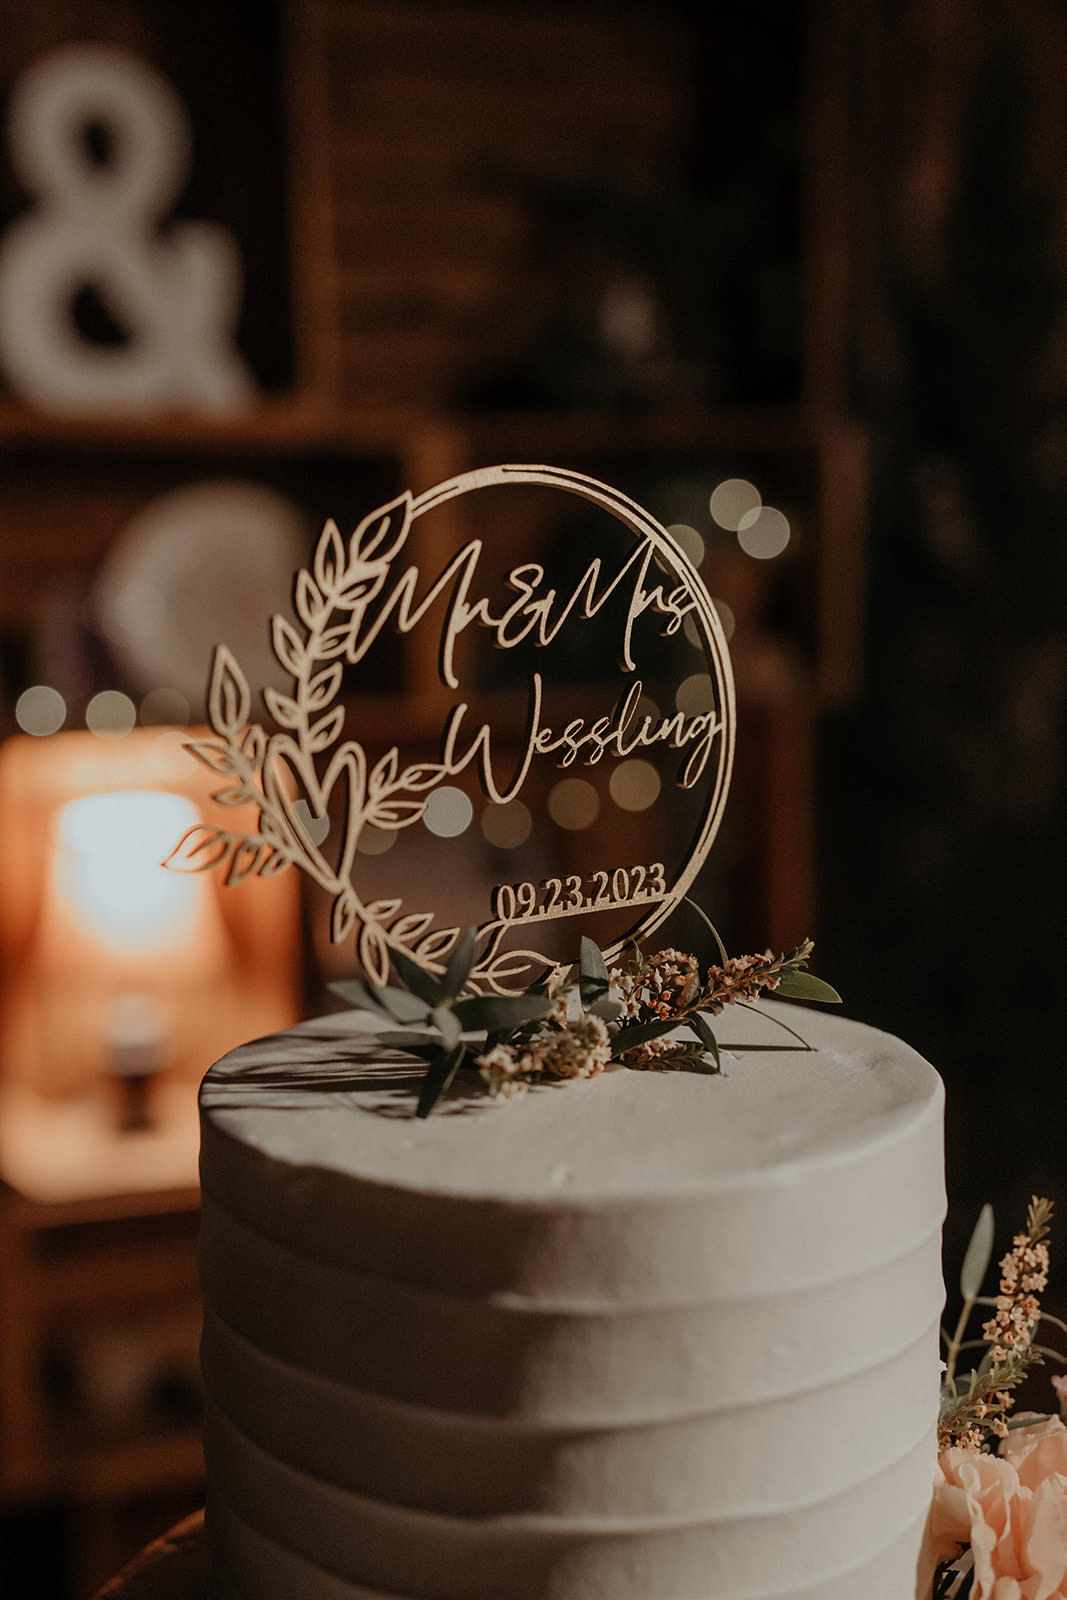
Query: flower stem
x,y
798,1037
955,1344
702,914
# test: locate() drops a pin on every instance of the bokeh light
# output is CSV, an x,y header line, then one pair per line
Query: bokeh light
x,y
732,501
691,626
689,540
375,841
162,708
110,714
634,785
695,695
726,618
40,710
448,812
763,534
573,804
507,826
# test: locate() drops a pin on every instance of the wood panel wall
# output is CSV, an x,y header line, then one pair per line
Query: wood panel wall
x,y
419,130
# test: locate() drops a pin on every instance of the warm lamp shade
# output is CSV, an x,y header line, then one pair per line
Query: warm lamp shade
x,y
110,908
94,931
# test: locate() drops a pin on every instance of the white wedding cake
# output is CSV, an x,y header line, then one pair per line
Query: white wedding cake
x,y
651,1336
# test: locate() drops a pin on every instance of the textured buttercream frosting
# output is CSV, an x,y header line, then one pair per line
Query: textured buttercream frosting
x,y
652,1336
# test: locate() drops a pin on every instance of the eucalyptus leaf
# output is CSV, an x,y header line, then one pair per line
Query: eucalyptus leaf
x,y
978,1255
697,1063
364,996
460,963
443,1068
699,1025
640,1033
592,973
502,1013
591,963
607,1010
402,1005
447,1024
418,980
806,986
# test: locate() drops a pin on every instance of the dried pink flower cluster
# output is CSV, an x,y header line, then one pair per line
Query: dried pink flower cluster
x,y
659,988
989,1413
658,1007
560,992
578,1049
582,1049
671,979
980,1413
741,978
1023,1276
997,1528
655,1055
668,984
500,1069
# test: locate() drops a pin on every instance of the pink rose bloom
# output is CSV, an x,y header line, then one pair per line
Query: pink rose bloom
x,y
1060,1386
1011,1509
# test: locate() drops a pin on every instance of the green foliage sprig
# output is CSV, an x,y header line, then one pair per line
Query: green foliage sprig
x,y
661,1006
572,1024
437,1007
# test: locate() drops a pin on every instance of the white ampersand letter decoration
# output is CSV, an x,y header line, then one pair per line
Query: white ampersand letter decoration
x,y
174,291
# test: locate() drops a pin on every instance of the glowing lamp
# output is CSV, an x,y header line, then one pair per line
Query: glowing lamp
x,y
122,981
107,882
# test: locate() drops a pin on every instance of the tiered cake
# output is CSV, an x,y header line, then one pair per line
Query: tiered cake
x,y
646,1337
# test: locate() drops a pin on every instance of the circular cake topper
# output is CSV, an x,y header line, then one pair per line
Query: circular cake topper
x,y
311,769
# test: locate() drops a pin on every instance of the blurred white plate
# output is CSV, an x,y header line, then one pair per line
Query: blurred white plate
x,y
203,565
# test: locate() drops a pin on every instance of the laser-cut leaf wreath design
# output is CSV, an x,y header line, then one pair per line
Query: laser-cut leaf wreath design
x,y
304,762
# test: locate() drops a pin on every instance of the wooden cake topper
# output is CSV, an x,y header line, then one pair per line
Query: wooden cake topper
x,y
355,590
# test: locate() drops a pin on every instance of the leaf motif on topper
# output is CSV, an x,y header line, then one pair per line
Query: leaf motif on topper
x,y
296,767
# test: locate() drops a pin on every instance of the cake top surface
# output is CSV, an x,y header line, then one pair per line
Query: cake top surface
x,y
326,1094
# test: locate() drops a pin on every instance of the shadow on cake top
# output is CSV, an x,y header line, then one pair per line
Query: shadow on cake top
x,y
382,1079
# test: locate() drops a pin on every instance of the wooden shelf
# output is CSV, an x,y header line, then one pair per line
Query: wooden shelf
x,y
155,1268
132,1467
79,1264
290,425
33,1214
296,425
555,433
